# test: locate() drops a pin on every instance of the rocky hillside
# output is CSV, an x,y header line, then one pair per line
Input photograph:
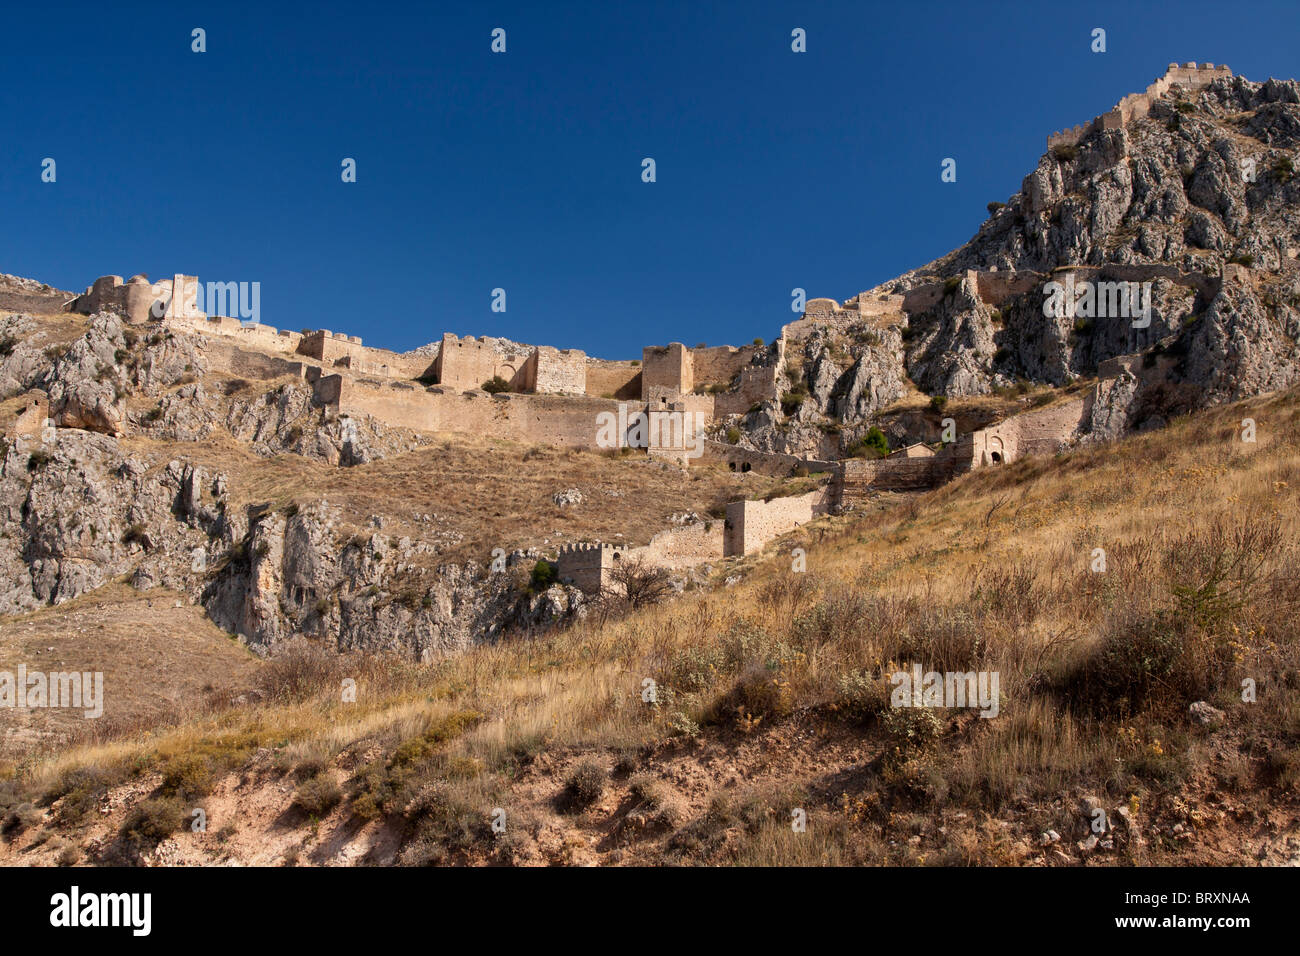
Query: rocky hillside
x,y
1205,180
279,517
1120,691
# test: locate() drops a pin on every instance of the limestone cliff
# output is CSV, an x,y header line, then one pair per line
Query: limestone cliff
x,y
1196,195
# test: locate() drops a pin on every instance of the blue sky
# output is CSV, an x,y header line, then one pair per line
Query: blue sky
x,y
522,170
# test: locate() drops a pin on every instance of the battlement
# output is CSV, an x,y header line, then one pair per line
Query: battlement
x,y
1189,76
671,373
138,300
466,363
589,566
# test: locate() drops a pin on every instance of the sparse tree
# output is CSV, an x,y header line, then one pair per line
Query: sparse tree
x,y
633,584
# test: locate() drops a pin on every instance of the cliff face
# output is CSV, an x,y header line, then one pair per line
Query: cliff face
x,y
97,498
1197,197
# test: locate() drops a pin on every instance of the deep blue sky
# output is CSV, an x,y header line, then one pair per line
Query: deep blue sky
x,y
523,170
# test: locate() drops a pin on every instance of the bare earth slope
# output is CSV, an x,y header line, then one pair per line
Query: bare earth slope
x,y
773,697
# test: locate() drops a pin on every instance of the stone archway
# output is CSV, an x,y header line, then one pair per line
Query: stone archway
x,y
996,450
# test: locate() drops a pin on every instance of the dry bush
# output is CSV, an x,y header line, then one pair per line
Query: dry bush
x,y
583,787
301,669
317,796
1212,572
151,821
633,584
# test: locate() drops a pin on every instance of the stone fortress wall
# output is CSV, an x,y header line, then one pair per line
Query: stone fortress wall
x,y
553,400
675,373
753,523
608,379
468,363
1043,431
1189,76
563,421
138,300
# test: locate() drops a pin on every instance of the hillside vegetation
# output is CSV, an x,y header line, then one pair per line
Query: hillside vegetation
x,y
772,697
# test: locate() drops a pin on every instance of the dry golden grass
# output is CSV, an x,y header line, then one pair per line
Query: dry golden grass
x,y
989,572
481,494
160,662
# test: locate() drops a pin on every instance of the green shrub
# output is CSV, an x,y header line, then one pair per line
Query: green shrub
x,y
544,575
938,402
496,385
733,436
188,777
1064,152
78,791
759,694
875,440
911,730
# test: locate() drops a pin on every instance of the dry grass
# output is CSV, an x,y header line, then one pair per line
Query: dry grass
x,y
479,494
781,678
160,662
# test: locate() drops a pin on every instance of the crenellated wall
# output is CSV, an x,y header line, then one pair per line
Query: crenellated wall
x,y
1189,76
588,566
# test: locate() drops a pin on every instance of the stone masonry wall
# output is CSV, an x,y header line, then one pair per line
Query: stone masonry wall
x,y
588,566
554,371
1190,76
757,384
666,367
721,364
679,548
607,379
861,476
467,363
751,524
542,419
